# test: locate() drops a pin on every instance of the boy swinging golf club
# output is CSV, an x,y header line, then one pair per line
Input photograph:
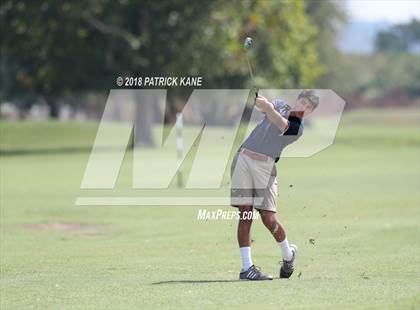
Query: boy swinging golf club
x,y
253,176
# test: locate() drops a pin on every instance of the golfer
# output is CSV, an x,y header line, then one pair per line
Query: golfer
x,y
253,173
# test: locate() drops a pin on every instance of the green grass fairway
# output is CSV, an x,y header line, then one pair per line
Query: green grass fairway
x,y
359,200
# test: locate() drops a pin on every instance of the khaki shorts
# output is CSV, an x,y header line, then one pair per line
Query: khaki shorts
x,y
253,183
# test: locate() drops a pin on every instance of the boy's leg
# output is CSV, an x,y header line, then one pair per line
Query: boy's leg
x,y
242,197
268,209
249,271
276,228
289,252
244,226
244,236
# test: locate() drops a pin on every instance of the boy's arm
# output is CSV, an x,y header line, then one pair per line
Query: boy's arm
x,y
275,117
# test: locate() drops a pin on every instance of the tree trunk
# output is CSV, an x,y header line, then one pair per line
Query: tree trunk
x,y
143,135
53,106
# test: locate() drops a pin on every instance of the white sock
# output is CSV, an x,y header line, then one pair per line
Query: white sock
x,y
246,257
285,250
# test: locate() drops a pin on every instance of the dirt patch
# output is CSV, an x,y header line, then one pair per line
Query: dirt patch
x,y
77,228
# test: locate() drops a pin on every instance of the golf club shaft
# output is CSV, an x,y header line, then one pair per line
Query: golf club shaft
x,y
251,75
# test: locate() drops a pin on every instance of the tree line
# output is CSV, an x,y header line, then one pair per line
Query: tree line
x,y
55,49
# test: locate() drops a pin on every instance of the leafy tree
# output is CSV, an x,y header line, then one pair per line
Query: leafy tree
x,y
58,48
328,16
68,46
284,53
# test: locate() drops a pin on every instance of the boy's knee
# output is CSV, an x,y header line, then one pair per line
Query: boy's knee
x,y
245,218
268,218
244,208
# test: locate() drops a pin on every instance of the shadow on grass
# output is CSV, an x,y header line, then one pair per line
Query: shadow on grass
x,y
196,281
51,151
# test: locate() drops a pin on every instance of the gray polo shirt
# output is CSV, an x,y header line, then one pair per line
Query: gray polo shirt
x,y
268,139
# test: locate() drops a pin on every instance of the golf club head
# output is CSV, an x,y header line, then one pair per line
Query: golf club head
x,y
247,43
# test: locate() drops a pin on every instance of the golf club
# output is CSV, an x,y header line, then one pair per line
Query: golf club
x,y
247,45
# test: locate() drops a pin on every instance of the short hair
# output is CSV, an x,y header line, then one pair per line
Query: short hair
x,y
310,95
